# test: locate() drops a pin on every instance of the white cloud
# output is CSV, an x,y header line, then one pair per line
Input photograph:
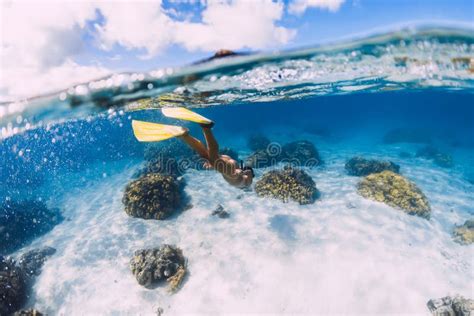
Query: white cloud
x,y
135,25
235,25
40,39
298,7
30,81
41,34
37,42
225,24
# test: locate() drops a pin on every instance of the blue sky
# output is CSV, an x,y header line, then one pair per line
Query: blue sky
x,y
316,26
57,43
312,27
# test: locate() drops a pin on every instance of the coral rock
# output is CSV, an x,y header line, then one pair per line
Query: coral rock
x,y
464,234
28,312
358,166
32,261
301,153
172,148
263,158
163,165
451,306
220,212
288,184
13,286
176,279
151,266
153,196
20,222
396,191
169,158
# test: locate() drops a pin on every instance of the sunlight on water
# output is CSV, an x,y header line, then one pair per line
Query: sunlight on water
x,y
409,59
379,222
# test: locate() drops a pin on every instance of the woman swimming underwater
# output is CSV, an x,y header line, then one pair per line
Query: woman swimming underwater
x,y
236,175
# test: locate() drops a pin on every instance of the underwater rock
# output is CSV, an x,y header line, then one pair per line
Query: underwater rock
x,y
258,142
402,135
350,205
464,234
297,153
153,196
13,286
441,159
16,279
28,312
396,191
288,184
151,266
173,149
263,158
162,164
301,153
220,212
32,261
175,281
451,306
358,166
159,311
21,222
229,152
172,157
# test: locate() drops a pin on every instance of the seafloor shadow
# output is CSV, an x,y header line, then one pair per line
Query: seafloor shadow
x,y
284,226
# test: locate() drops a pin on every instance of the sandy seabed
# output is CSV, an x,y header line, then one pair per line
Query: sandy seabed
x,y
342,254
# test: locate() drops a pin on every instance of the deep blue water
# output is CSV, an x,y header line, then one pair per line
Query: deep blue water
x,y
446,118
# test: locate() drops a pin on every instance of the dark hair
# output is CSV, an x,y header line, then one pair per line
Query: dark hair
x,y
249,168
244,168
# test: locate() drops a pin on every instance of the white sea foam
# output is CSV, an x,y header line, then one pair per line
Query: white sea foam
x,y
343,254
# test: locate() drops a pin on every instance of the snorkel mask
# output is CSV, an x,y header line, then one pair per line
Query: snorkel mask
x,y
244,168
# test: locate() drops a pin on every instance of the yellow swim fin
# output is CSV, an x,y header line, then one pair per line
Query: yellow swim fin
x,y
185,114
152,132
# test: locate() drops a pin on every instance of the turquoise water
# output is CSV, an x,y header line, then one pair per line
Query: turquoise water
x,y
385,97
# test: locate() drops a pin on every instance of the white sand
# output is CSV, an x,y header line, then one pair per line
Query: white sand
x,y
343,254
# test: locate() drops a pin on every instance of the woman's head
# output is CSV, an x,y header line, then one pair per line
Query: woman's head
x,y
247,173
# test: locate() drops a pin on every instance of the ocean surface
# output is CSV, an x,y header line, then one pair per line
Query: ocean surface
x,y
382,97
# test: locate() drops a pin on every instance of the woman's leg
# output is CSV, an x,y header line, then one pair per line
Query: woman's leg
x,y
196,145
212,145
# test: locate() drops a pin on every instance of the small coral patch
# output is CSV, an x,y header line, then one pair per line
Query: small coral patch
x,y
288,184
396,191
